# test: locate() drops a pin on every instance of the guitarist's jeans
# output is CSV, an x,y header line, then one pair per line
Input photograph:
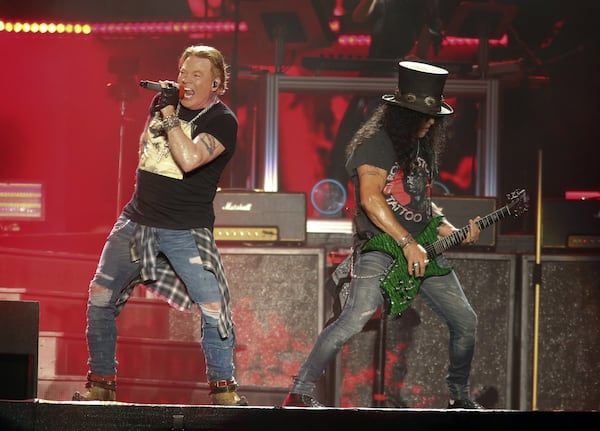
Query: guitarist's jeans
x,y
443,294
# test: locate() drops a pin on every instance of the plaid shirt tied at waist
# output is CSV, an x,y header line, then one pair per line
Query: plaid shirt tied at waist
x,y
158,275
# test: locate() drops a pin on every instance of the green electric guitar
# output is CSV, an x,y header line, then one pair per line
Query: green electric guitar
x,y
399,286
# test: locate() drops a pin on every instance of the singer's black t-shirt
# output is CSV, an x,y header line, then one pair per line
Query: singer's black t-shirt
x,y
186,203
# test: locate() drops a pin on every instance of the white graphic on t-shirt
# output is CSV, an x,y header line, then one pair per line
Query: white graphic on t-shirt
x,y
408,195
156,155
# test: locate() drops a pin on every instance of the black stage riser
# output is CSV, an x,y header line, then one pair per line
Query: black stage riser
x,y
34,416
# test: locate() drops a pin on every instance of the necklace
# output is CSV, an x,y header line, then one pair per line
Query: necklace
x,y
199,114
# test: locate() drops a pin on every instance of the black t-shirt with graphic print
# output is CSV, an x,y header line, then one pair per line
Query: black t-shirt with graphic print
x,y
406,193
164,200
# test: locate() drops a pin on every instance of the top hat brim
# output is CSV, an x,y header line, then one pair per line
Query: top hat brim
x,y
445,109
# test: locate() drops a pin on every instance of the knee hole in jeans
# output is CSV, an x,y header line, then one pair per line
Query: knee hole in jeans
x,y
99,295
212,309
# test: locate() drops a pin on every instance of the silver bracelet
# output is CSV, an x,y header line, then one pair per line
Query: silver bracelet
x,y
405,241
170,122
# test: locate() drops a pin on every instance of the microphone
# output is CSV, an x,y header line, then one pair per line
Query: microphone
x,y
155,86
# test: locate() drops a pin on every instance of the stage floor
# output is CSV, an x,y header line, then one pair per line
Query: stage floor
x,y
42,415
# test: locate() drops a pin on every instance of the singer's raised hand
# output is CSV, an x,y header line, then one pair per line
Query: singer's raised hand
x,y
168,96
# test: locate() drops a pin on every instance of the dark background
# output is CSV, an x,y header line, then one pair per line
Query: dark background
x,y
63,122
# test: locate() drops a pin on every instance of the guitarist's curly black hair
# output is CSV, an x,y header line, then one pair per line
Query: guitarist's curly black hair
x,y
401,125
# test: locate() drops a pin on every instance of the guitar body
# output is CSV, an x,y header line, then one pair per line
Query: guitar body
x,y
399,286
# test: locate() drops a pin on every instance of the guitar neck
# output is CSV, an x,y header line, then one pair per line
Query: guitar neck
x,y
438,247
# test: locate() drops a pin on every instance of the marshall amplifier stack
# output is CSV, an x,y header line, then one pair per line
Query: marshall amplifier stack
x,y
260,217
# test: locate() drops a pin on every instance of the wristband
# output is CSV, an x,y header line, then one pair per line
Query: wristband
x,y
405,241
170,122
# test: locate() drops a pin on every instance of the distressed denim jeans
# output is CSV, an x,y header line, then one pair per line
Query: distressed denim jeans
x,y
116,271
443,294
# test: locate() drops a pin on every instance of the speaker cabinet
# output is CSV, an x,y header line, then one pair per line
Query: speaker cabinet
x,y
19,334
567,365
277,297
571,224
417,345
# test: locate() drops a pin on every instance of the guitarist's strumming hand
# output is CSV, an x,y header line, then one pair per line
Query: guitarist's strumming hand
x,y
416,257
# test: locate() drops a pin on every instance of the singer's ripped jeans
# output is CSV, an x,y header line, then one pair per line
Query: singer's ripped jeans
x,y
114,274
443,294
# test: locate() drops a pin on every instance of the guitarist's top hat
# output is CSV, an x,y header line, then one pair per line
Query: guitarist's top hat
x,y
420,88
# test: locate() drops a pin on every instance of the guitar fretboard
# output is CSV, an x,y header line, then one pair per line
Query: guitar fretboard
x,y
438,247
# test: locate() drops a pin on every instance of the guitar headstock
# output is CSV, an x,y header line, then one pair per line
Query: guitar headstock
x,y
518,202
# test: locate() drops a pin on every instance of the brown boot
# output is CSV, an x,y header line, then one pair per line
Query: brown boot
x,y
99,388
224,393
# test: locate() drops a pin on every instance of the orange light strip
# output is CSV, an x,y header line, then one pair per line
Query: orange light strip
x,y
44,27
121,27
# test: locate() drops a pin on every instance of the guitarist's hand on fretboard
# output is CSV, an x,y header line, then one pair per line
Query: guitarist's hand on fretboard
x,y
474,231
446,228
